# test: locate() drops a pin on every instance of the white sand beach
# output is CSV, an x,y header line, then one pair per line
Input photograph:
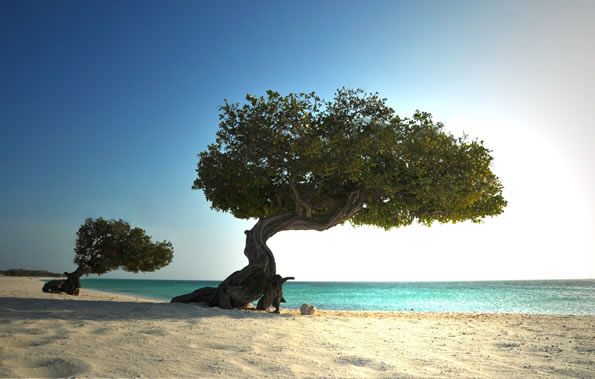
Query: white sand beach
x,y
104,335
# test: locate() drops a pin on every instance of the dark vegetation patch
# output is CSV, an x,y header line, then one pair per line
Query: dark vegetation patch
x,y
25,272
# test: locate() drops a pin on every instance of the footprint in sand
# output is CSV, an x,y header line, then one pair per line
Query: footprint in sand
x,y
49,367
102,331
155,332
5,372
364,362
28,331
24,341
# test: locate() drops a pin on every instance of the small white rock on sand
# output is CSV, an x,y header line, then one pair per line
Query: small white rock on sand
x,y
105,335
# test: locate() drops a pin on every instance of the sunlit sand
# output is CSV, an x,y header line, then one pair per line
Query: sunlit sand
x,y
106,335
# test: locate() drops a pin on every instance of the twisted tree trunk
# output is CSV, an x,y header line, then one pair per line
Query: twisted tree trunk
x,y
249,284
259,279
71,285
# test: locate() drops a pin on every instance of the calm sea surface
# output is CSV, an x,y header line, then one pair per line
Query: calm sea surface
x,y
567,297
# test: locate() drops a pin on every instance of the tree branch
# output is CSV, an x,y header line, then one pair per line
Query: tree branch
x,y
302,208
354,202
267,227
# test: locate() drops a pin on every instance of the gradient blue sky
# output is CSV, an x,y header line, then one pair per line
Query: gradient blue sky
x,y
104,106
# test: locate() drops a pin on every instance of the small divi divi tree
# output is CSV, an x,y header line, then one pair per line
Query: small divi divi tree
x,y
298,162
106,245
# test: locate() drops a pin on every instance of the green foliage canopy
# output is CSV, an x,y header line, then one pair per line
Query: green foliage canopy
x,y
299,153
107,245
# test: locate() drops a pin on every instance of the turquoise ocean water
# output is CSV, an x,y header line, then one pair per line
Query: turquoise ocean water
x,y
567,297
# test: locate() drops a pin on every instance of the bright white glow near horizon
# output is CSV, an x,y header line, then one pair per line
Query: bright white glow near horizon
x,y
523,243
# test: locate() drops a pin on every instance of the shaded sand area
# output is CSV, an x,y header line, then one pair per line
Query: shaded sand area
x,y
107,335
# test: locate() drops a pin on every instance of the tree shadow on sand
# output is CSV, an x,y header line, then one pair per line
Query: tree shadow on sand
x,y
12,309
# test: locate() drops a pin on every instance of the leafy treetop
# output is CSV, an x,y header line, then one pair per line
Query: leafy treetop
x,y
107,245
301,154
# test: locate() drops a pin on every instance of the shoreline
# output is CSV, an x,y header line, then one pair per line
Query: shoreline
x,y
112,335
519,300
93,294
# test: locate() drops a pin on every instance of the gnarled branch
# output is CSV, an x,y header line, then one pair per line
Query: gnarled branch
x,y
354,202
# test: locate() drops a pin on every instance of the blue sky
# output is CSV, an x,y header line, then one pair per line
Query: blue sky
x,y
104,106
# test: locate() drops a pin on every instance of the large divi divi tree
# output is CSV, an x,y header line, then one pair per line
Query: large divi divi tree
x,y
299,162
